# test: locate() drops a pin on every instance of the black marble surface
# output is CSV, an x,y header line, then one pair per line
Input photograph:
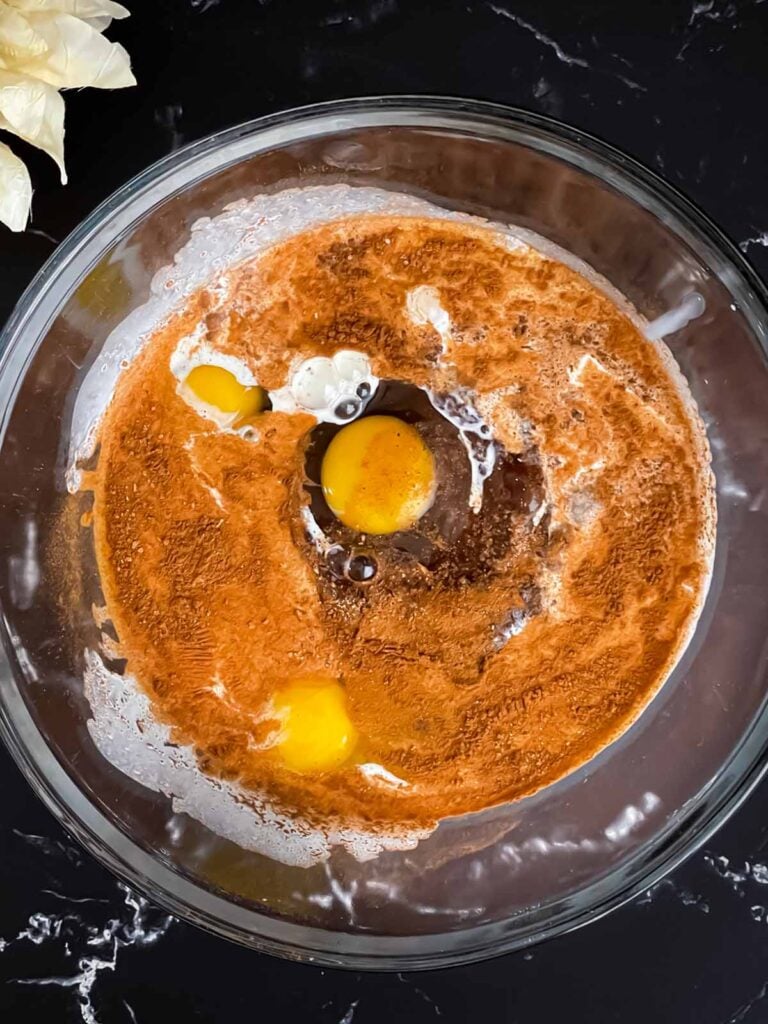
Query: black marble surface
x,y
681,85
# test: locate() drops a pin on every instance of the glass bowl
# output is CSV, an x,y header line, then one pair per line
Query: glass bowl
x,y
482,884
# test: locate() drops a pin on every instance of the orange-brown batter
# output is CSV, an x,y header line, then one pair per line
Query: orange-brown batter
x,y
477,673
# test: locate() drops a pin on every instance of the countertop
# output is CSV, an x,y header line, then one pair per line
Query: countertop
x,y
682,86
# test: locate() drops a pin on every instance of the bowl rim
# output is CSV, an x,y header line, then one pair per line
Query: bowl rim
x,y
28,322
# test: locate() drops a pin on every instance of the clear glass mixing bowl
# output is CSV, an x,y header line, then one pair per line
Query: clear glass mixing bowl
x,y
482,884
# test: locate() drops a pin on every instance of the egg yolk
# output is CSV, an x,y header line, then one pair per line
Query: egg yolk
x,y
378,476
317,734
221,389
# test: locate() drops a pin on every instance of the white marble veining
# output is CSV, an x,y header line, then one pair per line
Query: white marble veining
x,y
747,1007
669,887
562,55
350,1013
356,20
738,877
545,40
168,117
703,11
91,942
760,239
405,980
51,847
43,234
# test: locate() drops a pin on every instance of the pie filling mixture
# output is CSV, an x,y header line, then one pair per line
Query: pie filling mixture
x,y
397,517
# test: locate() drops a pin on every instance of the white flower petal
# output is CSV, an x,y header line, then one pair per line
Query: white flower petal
x,y
80,8
34,111
18,39
15,190
100,23
78,55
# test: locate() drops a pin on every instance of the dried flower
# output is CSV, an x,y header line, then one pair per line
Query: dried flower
x,y
45,46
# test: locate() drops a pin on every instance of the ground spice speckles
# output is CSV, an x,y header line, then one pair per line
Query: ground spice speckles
x,y
217,597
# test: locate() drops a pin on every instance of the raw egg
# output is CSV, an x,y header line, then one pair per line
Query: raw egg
x,y
317,734
220,389
378,475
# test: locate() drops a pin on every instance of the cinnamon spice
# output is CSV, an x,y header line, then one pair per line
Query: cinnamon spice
x,y
472,687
